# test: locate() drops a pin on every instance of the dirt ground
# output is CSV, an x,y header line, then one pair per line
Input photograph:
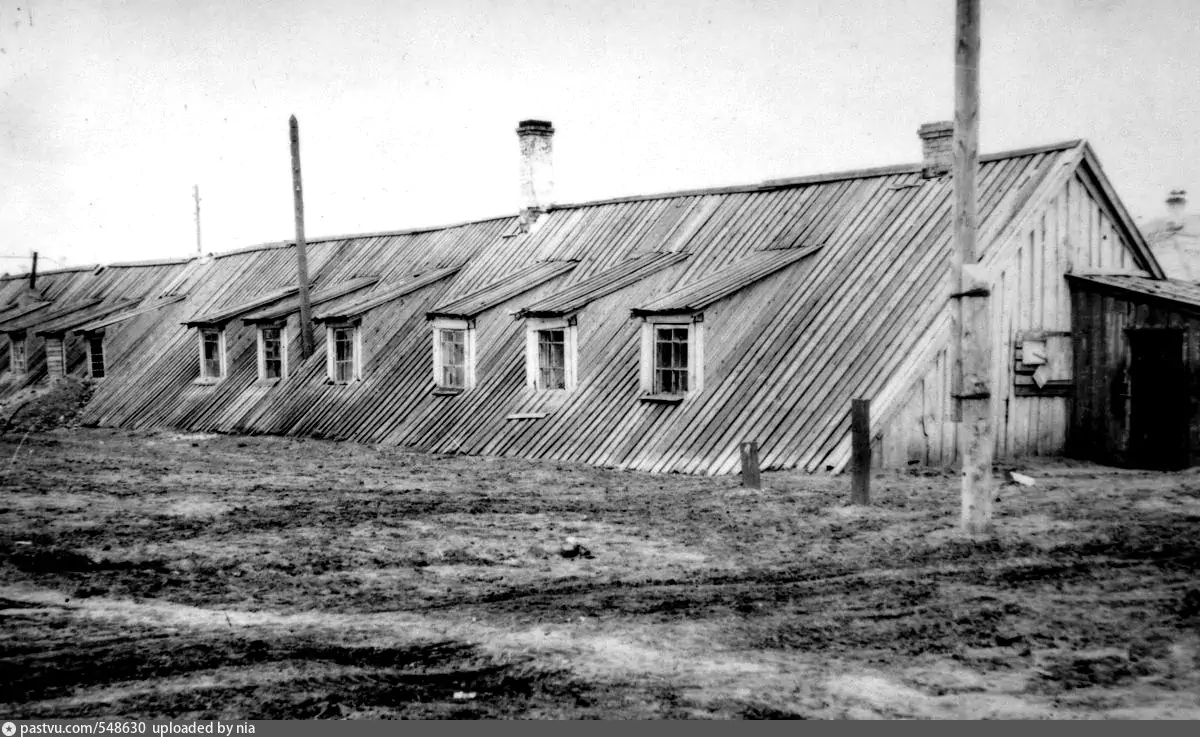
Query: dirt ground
x,y
161,575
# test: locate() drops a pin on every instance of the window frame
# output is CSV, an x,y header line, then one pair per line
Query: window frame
x,y
534,326
262,351
467,327
13,342
694,324
204,377
356,357
92,339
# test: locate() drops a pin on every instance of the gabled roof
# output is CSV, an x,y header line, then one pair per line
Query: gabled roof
x,y
580,294
350,310
122,316
1169,290
502,290
319,296
82,317
699,294
28,321
218,318
873,301
1108,195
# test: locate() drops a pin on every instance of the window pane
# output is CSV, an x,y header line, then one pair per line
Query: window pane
x,y
343,355
552,359
272,339
96,356
212,354
453,347
670,360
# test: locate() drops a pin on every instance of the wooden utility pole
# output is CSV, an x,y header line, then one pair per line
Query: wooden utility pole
x,y
306,327
196,196
860,451
971,354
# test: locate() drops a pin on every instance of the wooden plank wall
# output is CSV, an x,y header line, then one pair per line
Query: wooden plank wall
x,y
1099,419
1072,231
55,357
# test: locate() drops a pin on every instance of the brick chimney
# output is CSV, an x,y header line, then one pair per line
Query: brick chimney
x,y
1176,207
537,169
937,148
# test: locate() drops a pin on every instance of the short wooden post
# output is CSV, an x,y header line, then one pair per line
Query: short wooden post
x,y
860,451
750,477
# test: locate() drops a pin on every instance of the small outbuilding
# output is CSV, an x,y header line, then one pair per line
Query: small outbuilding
x,y
1136,343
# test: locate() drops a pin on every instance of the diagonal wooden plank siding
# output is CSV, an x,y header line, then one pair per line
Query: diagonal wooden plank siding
x,y
1067,226
783,355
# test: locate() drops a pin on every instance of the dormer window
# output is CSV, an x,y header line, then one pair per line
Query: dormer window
x,y
212,355
95,345
672,357
453,354
272,352
550,354
344,362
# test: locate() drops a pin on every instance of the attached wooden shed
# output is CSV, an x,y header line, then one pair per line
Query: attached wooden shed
x,y
1136,343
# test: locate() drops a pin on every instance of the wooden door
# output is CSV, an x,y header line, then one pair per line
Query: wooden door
x,y
1158,400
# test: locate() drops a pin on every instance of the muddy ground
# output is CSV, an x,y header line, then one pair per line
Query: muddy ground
x,y
157,575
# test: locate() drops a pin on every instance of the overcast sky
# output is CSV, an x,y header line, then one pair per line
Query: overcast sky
x,y
112,110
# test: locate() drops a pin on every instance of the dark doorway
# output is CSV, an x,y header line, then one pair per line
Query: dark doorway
x,y
1158,399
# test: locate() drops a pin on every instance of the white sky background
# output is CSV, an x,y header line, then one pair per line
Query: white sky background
x,y
110,111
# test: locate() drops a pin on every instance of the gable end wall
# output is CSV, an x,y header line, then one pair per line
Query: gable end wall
x,y
1073,230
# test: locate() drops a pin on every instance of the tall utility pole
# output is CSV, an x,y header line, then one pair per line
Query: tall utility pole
x,y
196,196
971,354
306,327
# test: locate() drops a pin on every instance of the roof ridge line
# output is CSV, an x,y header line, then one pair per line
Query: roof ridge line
x,y
782,183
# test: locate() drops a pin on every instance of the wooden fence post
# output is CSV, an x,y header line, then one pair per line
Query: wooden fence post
x,y
860,451
750,477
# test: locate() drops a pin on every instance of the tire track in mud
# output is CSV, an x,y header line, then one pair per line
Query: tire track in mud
x,y
762,583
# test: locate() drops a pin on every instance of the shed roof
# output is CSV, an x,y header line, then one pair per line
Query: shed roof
x,y
580,294
27,321
501,290
1171,290
703,292
219,317
126,314
319,296
17,311
69,322
362,305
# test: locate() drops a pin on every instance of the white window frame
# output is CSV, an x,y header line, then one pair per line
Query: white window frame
x,y
13,343
205,378
356,362
468,326
533,326
695,367
283,352
91,365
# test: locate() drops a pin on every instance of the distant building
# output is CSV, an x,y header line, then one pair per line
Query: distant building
x,y
652,332
1175,238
